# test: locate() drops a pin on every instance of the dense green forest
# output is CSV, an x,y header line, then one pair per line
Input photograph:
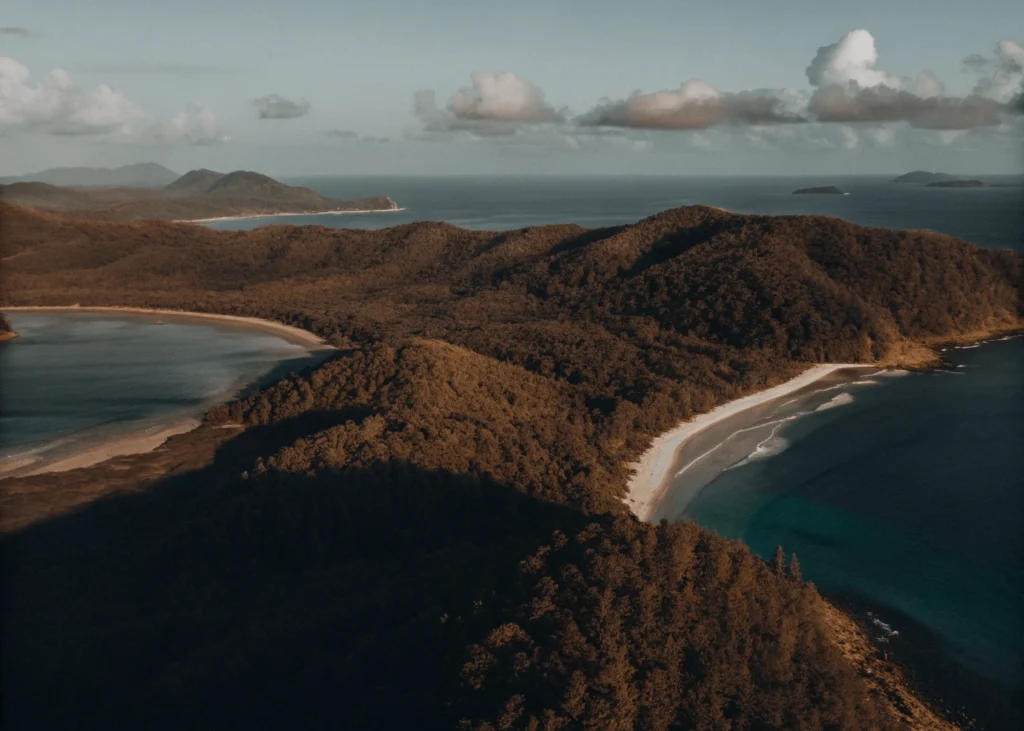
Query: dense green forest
x,y
428,531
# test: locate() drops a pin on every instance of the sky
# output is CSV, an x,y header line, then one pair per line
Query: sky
x,y
321,87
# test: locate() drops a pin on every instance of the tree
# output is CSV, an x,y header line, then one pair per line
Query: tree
x,y
794,569
779,562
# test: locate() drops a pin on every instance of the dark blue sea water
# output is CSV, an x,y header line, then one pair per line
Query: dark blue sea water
x,y
991,217
908,497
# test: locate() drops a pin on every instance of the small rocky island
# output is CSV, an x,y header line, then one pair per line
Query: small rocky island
x,y
957,184
923,177
823,190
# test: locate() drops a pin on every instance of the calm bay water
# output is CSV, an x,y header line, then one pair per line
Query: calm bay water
x,y
72,377
992,217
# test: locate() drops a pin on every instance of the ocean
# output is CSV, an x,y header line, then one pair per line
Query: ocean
x,y
992,217
904,498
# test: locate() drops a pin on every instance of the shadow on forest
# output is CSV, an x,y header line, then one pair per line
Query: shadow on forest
x,y
212,601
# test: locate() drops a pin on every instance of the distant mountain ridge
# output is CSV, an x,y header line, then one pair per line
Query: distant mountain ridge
x,y
139,175
196,195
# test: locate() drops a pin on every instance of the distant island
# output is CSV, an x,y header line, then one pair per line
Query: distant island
x,y
140,175
923,177
957,184
823,190
198,195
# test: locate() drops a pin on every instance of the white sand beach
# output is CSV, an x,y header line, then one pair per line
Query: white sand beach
x,y
288,332
144,440
653,471
277,215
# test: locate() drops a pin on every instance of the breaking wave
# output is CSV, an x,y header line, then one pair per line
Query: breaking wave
x,y
841,400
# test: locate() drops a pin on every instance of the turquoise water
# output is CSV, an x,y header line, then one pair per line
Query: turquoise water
x,y
908,498
72,378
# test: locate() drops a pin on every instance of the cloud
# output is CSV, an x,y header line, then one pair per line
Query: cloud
x,y
886,104
850,89
440,123
694,105
495,105
15,30
273,106
344,133
1001,75
380,140
502,97
197,125
56,105
851,59
881,136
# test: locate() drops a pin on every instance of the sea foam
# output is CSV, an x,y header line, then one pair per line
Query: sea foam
x,y
841,400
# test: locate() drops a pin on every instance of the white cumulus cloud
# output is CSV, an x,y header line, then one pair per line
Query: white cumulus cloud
x,y
502,97
851,59
56,105
196,125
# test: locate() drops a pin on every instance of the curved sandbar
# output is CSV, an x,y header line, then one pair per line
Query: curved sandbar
x,y
288,332
148,436
652,473
276,215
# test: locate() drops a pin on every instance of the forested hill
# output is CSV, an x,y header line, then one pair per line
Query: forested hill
x,y
428,531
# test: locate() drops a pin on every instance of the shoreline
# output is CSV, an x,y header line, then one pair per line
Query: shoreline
x,y
290,332
149,437
140,441
652,473
277,215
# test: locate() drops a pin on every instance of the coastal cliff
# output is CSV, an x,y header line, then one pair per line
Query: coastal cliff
x,y
438,510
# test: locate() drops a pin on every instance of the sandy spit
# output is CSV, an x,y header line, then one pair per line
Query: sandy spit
x,y
276,215
293,334
145,440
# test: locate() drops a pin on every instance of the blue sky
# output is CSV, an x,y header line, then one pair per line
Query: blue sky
x,y
183,78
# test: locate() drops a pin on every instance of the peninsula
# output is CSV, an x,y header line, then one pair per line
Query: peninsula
x,y
434,519
197,195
